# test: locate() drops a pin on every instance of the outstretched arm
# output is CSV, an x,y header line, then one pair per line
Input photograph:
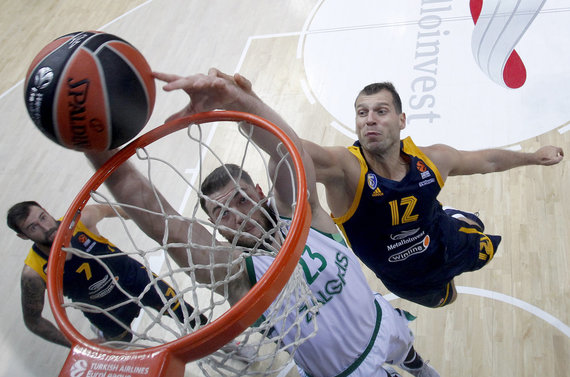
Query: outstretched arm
x,y
33,299
451,161
218,90
92,214
129,186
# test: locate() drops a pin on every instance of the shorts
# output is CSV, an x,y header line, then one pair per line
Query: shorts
x,y
465,249
111,328
391,346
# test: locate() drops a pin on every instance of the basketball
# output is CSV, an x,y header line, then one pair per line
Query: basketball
x,y
89,91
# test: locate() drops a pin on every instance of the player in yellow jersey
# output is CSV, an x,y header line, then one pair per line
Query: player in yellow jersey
x,y
382,191
85,280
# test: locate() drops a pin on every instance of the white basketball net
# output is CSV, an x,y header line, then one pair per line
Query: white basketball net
x,y
259,350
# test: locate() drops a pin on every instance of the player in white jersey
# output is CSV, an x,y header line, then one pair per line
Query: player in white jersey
x,y
358,331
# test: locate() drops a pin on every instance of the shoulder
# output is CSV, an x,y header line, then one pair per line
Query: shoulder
x,y
443,156
92,215
332,163
324,154
31,279
438,151
34,265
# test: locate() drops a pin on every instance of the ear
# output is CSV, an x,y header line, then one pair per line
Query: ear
x,y
402,121
259,191
22,236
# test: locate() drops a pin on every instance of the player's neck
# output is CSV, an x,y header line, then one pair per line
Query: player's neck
x,y
391,164
43,248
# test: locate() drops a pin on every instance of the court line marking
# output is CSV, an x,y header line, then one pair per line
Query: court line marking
x,y
343,130
126,14
9,90
537,312
516,148
305,28
307,91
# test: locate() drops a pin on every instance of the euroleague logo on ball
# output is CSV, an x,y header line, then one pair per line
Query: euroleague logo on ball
x,y
43,78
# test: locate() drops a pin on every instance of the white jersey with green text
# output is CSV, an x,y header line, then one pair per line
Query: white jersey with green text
x,y
351,319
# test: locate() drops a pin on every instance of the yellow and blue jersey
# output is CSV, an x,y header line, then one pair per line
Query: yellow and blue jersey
x,y
94,281
86,279
400,230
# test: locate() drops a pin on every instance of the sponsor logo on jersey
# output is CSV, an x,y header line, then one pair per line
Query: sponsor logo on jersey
x,y
331,288
83,239
426,182
86,242
405,241
415,249
377,192
422,168
101,288
372,181
404,234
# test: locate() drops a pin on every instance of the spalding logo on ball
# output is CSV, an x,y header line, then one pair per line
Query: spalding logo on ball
x,y
90,91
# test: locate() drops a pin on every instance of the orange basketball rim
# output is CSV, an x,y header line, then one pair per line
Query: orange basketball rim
x,y
169,359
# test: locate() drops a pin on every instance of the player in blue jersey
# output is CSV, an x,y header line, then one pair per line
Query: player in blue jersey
x,y
85,279
382,191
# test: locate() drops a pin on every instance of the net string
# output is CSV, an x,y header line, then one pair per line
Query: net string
x,y
262,343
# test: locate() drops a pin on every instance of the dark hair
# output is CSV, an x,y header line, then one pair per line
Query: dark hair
x,y
220,177
18,213
379,86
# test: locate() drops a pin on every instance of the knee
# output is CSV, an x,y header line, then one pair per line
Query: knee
x,y
450,297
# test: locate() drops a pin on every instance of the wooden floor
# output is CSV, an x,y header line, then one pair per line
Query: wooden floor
x,y
511,318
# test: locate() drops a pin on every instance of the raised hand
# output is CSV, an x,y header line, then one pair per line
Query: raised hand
x,y
216,90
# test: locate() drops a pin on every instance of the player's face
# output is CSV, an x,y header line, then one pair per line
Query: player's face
x,y
378,124
39,226
238,212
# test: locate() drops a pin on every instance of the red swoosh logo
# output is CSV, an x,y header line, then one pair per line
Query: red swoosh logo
x,y
514,71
